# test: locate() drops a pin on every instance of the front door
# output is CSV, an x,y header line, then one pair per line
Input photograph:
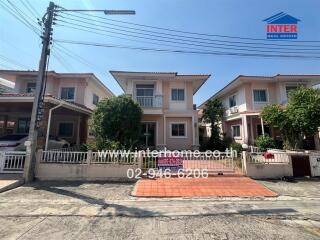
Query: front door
x,y
149,134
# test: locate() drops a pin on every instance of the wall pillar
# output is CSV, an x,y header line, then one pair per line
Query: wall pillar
x,y
245,129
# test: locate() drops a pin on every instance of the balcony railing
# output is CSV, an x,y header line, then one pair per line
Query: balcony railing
x,y
150,101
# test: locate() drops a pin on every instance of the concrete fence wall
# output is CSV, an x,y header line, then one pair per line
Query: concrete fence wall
x,y
266,170
85,171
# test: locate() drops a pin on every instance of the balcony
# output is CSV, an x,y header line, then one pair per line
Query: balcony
x,y
150,101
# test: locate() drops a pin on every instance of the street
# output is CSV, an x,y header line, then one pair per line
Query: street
x,y
75,210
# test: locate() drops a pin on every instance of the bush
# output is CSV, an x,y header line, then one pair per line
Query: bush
x,y
226,141
265,142
236,147
116,123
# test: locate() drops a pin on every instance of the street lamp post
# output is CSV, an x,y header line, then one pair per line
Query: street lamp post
x,y
38,103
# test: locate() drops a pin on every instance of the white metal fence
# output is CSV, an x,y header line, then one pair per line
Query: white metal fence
x,y
87,157
200,161
12,162
269,157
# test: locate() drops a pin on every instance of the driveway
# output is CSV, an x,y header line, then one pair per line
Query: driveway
x,y
201,187
60,210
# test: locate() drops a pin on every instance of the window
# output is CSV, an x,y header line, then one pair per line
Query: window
x,y
236,131
65,129
95,99
260,95
31,87
232,101
67,93
144,90
23,125
178,130
177,94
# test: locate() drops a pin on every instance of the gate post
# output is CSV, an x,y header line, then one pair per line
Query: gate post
x,y
89,157
2,160
140,160
244,162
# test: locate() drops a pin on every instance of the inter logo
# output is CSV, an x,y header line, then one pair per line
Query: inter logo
x,y
282,26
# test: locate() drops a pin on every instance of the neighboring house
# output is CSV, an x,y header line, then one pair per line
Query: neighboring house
x,y
6,85
244,98
70,97
169,115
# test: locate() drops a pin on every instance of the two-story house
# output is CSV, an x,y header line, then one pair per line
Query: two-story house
x,y
244,97
68,103
169,115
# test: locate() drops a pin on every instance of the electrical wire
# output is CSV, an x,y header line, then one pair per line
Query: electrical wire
x,y
193,33
125,28
218,53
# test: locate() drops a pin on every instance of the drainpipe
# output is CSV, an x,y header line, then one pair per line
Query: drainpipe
x,y
49,123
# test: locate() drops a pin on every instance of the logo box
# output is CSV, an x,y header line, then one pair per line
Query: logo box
x,y
282,26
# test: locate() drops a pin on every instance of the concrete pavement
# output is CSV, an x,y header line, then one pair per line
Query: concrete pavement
x,y
56,210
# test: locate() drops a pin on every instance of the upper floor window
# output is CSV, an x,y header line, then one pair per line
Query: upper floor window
x,y
232,101
178,130
260,95
144,90
177,94
31,87
67,93
95,99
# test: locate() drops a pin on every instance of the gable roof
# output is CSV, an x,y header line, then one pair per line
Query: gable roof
x,y
123,76
281,18
243,78
60,75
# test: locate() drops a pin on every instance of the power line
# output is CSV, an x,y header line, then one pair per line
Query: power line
x,y
27,7
32,8
14,62
194,33
187,43
76,57
220,53
125,28
20,18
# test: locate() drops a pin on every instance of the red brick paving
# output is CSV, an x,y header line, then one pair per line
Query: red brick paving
x,y
201,187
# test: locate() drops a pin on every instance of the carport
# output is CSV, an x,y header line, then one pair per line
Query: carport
x,y
67,118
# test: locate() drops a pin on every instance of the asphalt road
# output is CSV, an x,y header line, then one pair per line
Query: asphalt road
x,y
59,210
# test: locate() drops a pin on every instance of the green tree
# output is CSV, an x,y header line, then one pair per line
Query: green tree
x,y
299,119
116,122
213,114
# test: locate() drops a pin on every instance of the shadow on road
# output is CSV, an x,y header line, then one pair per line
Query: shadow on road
x,y
118,209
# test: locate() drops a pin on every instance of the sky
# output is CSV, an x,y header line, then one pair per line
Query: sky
x,y
223,17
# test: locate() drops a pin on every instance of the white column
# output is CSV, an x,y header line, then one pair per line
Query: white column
x,y
193,132
245,129
78,131
262,126
251,130
164,131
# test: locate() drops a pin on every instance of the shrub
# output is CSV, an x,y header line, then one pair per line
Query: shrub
x,y
236,146
265,142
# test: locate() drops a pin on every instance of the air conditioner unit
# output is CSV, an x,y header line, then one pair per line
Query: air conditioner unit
x,y
234,110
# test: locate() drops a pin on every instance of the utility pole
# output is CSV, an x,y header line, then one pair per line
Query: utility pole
x,y
38,103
